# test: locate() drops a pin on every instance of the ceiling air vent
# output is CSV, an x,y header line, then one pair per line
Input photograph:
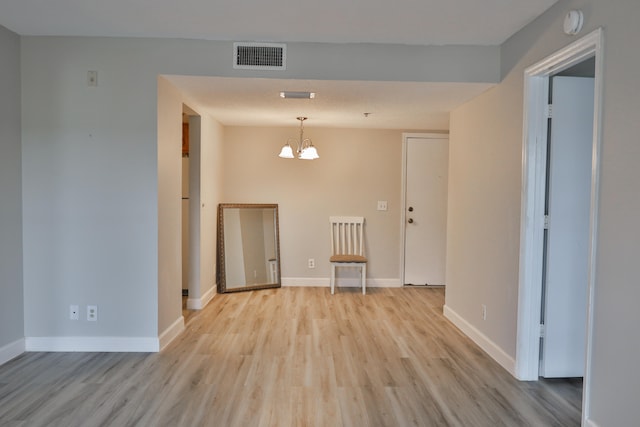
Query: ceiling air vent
x,y
260,56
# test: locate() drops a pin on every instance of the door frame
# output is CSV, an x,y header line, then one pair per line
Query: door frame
x,y
536,88
403,193
194,301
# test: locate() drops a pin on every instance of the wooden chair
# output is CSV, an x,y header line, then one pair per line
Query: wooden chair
x,y
347,247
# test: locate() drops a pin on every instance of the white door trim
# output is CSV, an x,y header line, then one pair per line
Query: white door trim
x,y
195,301
403,199
536,84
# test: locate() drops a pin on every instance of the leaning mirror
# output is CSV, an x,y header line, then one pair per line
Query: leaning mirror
x,y
248,247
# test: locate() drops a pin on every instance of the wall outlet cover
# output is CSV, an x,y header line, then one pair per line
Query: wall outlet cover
x,y
92,313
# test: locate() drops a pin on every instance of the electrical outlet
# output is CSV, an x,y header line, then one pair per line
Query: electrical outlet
x,y
382,205
312,263
74,312
92,313
484,312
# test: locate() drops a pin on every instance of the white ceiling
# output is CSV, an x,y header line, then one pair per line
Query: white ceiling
x,y
392,105
252,101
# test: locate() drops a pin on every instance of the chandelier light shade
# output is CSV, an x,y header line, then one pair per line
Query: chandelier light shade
x,y
304,147
286,152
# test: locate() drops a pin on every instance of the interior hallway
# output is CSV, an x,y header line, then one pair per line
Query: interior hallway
x,y
291,356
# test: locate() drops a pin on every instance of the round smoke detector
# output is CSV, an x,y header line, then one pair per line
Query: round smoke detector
x,y
573,22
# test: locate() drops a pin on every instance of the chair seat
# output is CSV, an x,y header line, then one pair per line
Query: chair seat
x,y
348,258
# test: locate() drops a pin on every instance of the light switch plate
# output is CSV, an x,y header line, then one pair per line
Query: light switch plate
x,y
73,312
92,78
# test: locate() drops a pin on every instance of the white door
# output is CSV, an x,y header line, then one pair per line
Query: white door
x,y
426,172
567,248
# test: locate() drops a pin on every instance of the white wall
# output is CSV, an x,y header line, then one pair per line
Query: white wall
x,y
11,300
356,168
486,143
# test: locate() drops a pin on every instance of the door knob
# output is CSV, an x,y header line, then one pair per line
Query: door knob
x,y
410,208
410,220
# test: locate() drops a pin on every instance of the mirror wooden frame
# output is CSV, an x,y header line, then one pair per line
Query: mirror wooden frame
x,y
221,276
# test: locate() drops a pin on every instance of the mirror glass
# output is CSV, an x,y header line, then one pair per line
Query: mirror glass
x,y
248,247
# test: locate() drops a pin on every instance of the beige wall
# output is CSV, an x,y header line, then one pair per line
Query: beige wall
x,y
356,169
483,224
212,166
485,177
169,204
205,164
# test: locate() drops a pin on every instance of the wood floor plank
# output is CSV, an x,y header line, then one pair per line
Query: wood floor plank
x,y
291,357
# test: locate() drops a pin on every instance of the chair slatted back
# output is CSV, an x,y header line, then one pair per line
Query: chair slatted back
x,y
347,235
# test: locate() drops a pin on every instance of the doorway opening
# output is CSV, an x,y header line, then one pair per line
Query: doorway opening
x,y
190,210
536,87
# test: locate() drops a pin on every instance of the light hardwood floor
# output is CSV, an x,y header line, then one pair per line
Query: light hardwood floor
x,y
291,357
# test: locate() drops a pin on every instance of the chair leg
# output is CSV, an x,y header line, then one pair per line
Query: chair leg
x,y
333,278
363,271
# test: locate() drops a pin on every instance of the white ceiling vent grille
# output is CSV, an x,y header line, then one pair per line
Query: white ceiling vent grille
x,y
260,56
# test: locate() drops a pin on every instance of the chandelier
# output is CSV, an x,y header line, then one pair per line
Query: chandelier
x,y
304,147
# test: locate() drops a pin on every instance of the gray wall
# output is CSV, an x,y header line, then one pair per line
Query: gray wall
x,y
11,300
486,147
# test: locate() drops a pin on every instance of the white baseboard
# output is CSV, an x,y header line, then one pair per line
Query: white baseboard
x,y
200,303
491,348
322,282
590,423
350,282
11,350
171,332
93,344
382,283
